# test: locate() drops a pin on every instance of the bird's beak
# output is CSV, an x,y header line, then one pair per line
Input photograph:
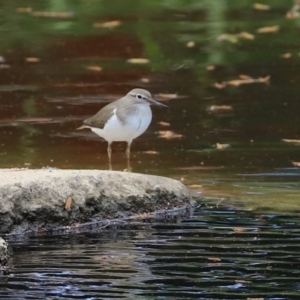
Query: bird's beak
x,y
154,102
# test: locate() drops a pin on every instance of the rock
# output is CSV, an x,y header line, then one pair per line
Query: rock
x,y
41,200
4,256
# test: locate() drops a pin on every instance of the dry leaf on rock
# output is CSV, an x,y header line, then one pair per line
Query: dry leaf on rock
x,y
68,203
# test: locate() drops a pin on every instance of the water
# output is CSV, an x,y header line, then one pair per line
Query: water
x,y
63,67
220,253
58,69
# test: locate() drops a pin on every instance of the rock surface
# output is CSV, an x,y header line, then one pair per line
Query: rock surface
x,y
4,256
37,200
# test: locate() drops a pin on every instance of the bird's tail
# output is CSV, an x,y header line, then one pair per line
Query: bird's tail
x,y
82,127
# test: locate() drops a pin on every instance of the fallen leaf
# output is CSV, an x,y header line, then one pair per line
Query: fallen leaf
x,y
214,258
191,44
99,258
239,230
219,107
286,55
94,68
232,38
195,186
242,281
164,123
151,152
196,168
244,79
138,60
32,59
53,14
260,6
243,76
268,29
245,35
294,12
210,68
263,79
167,96
291,141
24,10
238,82
35,120
142,216
222,146
296,163
292,15
68,203
145,80
109,24
14,169
220,85
167,134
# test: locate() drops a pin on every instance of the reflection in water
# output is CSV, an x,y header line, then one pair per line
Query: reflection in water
x,y
71,58
220,253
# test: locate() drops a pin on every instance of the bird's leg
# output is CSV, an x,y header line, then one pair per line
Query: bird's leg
x,y
109,155
128,157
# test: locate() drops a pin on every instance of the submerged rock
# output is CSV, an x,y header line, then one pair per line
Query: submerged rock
x,y
42,200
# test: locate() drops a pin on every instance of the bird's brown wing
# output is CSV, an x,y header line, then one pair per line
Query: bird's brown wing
x,y
101,117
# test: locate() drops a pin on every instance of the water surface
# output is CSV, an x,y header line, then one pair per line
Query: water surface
x,y
236,145
220,253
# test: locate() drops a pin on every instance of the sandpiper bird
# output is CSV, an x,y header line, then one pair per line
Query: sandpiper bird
x,y
123,120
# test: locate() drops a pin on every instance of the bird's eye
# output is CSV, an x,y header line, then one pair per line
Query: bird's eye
x,y
139,96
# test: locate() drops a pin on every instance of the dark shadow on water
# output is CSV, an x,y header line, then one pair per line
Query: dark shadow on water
x,y
220,253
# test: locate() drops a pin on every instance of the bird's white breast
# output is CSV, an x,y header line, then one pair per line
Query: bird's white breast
x,y
133,125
